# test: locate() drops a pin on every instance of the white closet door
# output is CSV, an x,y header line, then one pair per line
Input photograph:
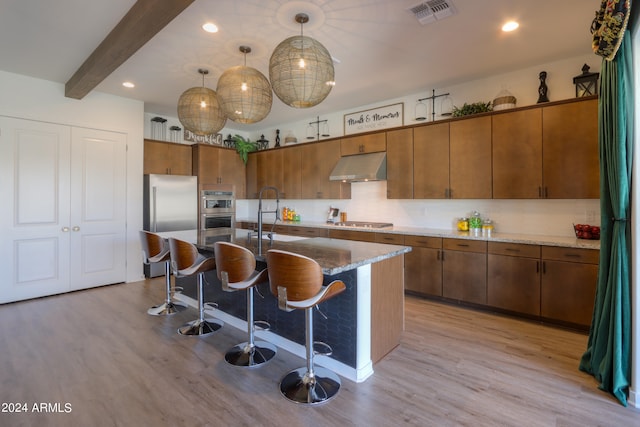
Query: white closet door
x,y
98,208
62,219
34,213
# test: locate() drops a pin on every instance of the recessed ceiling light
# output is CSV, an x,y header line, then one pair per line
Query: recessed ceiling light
x,y
210,27
128,84
510,26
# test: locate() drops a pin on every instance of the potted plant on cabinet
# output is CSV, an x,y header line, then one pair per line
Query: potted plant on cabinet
x,y
244,147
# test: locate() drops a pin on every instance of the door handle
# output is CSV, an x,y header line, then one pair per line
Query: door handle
x,y
76,228
65,229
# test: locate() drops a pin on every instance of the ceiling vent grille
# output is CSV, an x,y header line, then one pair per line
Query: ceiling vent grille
x,y
432,10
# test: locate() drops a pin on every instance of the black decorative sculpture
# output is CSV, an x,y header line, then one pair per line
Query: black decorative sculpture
x,y
542,90
277,138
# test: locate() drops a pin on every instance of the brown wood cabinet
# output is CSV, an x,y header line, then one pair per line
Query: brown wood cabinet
x,y
517,154
295,230
431,161
569,280
423,265
470,158
291,173
264,168
317,161
464,270
219,165
513,277
367,143
166,158
362,236
400,164
570,150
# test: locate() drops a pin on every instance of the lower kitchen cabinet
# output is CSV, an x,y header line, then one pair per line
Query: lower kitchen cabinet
x,y
464,270
423,265
513,277
568,287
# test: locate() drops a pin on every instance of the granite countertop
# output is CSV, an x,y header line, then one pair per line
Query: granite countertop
x,y
333,255
530,239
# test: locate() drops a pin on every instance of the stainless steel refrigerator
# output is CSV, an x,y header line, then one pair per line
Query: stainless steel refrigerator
x,y
170,204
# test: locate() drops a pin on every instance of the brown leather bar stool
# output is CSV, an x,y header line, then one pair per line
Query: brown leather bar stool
x,y
296,281
236,268
155,249
187,261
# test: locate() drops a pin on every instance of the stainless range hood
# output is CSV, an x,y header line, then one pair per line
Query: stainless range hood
x,y
360,167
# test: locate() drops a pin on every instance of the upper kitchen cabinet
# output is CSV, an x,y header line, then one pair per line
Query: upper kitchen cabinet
x,y
400,164
167,158
264,169
431,161
368,143
219,165
517,154
470,158
317,161
291,172
570,160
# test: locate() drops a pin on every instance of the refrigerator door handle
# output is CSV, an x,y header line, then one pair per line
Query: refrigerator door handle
x,y
154,225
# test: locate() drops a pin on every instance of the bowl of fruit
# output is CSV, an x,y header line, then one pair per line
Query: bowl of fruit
x,y
586,231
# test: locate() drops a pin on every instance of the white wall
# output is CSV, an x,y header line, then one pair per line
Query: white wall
x,y
35,99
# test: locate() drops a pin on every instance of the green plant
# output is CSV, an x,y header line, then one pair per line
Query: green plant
x,y
244,147
475,108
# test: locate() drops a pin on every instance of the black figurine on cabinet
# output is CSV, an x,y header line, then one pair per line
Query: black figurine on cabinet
x,y
542,89
277,138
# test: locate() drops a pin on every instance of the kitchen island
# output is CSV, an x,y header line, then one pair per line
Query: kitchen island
x,y
363,323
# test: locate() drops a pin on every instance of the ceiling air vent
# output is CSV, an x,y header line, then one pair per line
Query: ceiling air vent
x,y
432,10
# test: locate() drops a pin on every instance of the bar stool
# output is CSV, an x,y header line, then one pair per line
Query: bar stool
x,y
155,249
236,268
187,261
296,281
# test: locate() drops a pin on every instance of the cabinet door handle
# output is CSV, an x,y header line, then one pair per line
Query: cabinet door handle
x,y
572,255
462,245
539,192
537,267
544,267
512,250
441,255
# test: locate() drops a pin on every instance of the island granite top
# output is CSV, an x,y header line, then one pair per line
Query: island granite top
x,y
333,255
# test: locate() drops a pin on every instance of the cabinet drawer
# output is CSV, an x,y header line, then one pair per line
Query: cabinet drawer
x,y
514,249
423,241
588,256
294,230
392,239
464,245
362,236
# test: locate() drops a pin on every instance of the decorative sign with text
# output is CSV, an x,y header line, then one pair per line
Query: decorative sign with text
x,y
213,138
377,118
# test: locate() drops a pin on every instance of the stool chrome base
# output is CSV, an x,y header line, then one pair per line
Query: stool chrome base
x,y
200,327
247,356
298,387
166,309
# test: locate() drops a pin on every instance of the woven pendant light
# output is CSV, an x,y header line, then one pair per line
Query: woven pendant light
x,y
244,93
199,110
301,70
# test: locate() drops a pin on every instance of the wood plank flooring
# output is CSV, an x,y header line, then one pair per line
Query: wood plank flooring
x,y
98,351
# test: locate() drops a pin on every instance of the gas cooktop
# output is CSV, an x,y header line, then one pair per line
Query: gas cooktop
x,y
364,224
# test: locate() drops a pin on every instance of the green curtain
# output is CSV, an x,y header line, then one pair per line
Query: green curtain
x,y
608,354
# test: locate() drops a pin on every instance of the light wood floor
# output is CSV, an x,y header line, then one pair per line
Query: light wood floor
x,y
99,351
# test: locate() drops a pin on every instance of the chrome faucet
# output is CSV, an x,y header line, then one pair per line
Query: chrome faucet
x,y
261,213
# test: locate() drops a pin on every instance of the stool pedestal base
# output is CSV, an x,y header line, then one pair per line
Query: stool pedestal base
x,y
247,356
200,327
166,309
298,387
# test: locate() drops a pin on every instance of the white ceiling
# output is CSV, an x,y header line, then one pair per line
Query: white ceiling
x,y
383,51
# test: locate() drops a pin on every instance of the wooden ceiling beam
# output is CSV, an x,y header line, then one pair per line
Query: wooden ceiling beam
x,y
143,21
